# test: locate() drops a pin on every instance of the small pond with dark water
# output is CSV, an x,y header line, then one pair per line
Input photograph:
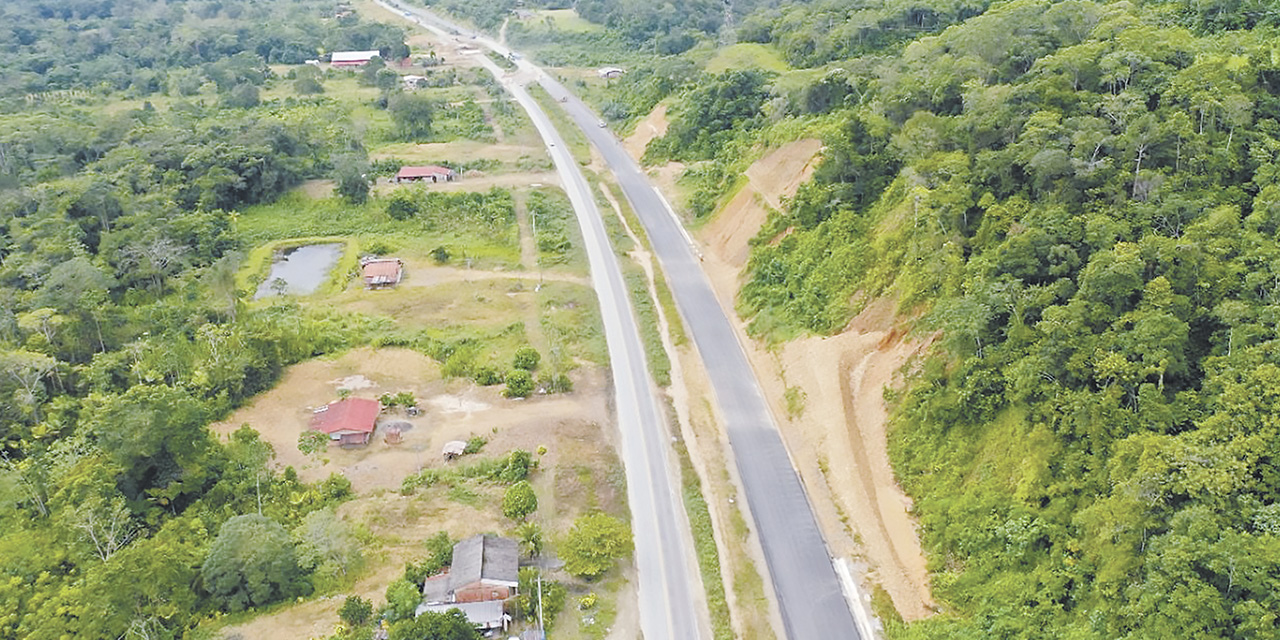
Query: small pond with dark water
x,y
300,270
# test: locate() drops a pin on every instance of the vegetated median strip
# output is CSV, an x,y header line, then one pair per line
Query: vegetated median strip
x,y
667,302
646,296
568,131
640,286
704,542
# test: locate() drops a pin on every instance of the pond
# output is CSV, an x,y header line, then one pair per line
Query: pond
x,y
299,270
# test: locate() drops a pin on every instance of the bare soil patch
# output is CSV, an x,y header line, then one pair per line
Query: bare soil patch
x,y
282,414
770,179
650,127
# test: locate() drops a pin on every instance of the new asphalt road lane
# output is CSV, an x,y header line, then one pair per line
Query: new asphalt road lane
x,y
809,593
668,584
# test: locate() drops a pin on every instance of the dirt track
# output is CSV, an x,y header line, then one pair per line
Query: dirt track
x,y
839,439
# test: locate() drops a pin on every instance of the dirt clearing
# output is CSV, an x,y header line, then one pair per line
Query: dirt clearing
x,y
450,410
770,179
650,127
835,423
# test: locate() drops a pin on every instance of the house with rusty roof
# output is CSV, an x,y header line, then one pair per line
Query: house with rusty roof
x,y
381,272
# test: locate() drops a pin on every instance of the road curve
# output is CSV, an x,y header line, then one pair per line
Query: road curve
x,y
668,584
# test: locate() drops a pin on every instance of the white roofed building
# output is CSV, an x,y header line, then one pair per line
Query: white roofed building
x,y
352,58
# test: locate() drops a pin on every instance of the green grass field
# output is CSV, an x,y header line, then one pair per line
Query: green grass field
x,y
747,55
564,20
295,215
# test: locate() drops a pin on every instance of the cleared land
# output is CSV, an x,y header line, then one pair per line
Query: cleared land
x,y
747,55
501,288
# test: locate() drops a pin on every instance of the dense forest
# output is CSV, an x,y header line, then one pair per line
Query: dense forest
x,y
1082,199
122,331
146,47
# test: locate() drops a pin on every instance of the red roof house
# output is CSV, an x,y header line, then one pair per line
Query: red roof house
x,y
381,272
347,421
422,174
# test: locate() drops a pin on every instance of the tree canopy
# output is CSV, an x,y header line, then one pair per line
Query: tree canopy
x,y
252,563
594,544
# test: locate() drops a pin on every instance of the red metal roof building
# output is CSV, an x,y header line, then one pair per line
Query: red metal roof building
x,y
421,174
347,421
381,272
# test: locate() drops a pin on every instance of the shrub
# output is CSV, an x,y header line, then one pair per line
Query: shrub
x,y
402,206
355,611
439,556
559,383
517,467
403,598
519,501
519,384
488,376
474,445
526,358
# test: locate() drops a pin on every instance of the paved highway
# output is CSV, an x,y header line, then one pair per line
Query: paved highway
x,y
809,592
669,585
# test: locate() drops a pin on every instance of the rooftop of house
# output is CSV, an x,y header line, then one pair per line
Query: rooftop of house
x,y
381,270
478,558
348,414
422,172
485,557
353,56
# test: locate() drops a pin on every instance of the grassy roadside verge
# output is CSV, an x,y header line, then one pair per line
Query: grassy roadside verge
x,y
572,135
675,326
704,542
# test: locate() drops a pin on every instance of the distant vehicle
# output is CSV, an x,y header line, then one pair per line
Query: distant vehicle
x,y
602,124
407,14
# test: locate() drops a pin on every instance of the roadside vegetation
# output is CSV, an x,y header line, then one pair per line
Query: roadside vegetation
x,y
1086,236
1076,195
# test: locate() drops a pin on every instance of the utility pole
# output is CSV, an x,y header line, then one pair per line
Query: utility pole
x,y
541,624
537,260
